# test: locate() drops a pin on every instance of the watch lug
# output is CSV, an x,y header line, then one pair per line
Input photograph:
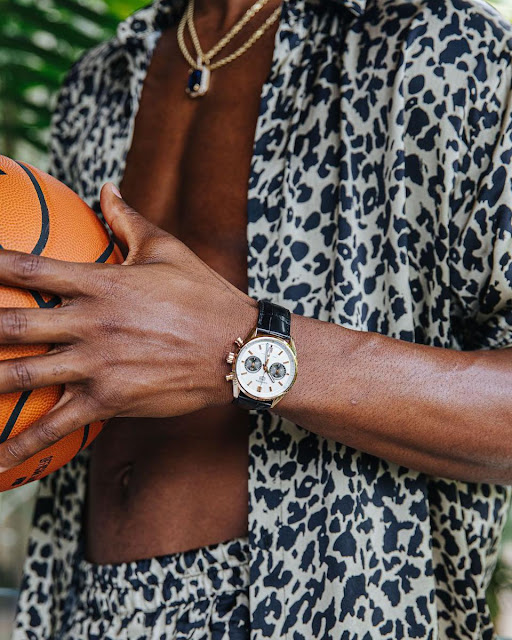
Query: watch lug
x,y
276,400
252,334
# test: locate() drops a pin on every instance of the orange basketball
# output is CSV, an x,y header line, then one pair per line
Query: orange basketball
x,y
40,215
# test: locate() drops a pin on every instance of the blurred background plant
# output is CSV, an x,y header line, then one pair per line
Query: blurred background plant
x,y
504,6
39,41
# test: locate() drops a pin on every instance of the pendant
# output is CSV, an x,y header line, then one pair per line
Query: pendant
x,y
198,81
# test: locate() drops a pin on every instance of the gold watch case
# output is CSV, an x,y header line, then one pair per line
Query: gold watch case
x,y
233,356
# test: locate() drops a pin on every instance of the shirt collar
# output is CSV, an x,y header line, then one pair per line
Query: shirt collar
x,y
161,13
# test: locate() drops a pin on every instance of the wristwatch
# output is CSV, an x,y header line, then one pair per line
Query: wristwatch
x,y
264,365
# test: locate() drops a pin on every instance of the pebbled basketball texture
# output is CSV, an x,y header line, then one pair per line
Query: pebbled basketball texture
x,y
40,215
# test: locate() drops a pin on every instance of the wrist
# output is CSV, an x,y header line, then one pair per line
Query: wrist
x,y
242,318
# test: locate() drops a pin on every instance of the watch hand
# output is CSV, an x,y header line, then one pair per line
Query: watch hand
x,y
267,357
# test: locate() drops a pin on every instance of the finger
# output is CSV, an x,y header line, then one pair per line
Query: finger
x,y
65,417
34,372
28,271
39,326
129,227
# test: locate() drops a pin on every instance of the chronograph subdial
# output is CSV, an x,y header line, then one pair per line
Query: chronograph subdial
x,y
253,364
277,371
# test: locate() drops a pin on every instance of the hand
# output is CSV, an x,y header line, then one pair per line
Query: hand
x,y
146,338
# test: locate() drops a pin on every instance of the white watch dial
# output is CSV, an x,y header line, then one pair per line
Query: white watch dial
x,y
265,367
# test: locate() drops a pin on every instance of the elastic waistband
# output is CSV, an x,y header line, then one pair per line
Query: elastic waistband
x,y
175,578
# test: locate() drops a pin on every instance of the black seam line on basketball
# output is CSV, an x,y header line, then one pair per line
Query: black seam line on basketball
x,y
14,416
107,253
85,438
42,303
45,217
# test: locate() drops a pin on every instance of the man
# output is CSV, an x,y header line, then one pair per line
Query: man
x,y
375,139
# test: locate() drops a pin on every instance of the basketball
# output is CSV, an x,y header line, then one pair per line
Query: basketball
x,y
40,215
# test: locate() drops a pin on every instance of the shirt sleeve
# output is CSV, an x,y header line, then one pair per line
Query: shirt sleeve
x,y
481,222
62,130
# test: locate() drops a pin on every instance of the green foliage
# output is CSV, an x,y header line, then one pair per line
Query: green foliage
x,y
39,41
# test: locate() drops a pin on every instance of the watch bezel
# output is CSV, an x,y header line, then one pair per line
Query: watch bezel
x,y
258,334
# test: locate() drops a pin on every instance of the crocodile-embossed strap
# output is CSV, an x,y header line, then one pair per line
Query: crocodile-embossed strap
x,y
274,320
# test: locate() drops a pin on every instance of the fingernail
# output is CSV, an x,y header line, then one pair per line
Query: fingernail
x,y
116,191
2,469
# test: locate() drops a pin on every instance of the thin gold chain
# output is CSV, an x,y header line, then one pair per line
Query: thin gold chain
x,y
183,46
206,57
255,36
187,19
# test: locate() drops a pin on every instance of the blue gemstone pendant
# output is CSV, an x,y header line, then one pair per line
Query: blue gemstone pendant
x,y
198,82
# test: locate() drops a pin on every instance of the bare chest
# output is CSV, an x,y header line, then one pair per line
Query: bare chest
x,y
188,166
187,171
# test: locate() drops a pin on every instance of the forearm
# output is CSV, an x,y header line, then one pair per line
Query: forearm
x,y
440,411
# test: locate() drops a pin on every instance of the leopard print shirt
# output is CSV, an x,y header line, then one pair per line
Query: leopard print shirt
x,y
380,198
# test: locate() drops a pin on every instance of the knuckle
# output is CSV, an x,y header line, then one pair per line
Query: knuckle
x,y
106,284
59,370
26,265
108,325
13,324
47,433
15,450
21,375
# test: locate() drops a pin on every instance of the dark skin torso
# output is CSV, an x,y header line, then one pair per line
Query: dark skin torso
x,y
160,486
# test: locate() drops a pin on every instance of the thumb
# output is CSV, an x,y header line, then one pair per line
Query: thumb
x,y
130,229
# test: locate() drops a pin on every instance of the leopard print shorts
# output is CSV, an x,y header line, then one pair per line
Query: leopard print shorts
x,y
200,594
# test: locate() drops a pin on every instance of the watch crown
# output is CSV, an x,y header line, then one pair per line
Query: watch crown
x,y
239,342
230,376
230,358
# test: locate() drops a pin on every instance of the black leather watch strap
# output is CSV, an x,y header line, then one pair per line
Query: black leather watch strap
x,y
246,402
274,320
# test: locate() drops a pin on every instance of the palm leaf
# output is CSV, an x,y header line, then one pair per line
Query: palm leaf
x,y
107,20
63,32
38,43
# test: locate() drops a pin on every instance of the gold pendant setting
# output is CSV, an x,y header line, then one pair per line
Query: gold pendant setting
x,y
198,81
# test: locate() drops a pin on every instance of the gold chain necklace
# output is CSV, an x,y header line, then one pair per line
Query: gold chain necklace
x,y
199,74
